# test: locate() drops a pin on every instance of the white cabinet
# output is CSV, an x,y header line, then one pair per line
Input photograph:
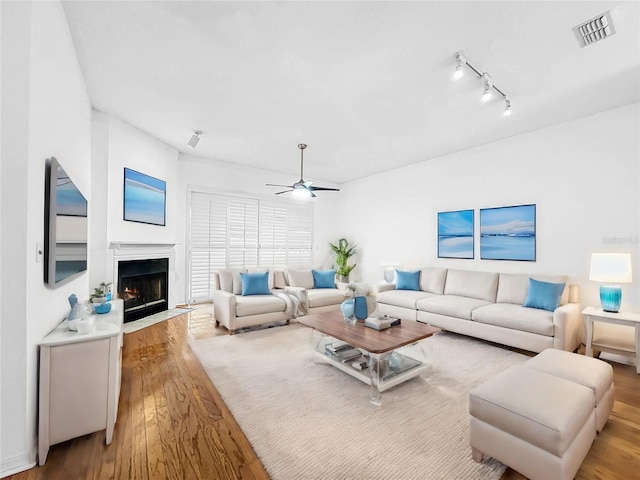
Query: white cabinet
x,y
80,381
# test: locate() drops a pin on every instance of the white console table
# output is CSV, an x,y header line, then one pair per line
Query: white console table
x,y
80,381
609,342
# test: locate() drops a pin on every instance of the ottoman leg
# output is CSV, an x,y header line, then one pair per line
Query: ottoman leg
x,y
476,454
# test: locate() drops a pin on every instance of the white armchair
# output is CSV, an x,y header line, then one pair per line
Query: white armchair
x,y
235,311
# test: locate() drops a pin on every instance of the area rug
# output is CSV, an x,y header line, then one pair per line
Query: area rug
x,y
136,325
311,421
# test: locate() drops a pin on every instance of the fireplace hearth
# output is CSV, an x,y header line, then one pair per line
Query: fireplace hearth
x,y
143,286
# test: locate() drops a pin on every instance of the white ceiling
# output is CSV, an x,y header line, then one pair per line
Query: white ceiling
x,y
367,85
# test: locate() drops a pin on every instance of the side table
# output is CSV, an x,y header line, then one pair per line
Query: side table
x,y
593,314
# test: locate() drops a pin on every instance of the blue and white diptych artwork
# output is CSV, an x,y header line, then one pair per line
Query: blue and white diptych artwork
x,y
455,234
508,233
144,198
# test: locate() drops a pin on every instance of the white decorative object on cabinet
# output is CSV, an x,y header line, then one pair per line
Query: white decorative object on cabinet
x,y
80,381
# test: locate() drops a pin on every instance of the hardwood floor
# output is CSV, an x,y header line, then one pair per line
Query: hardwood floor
x,y
172,423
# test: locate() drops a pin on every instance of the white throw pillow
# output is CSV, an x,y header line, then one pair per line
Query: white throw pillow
x,y
300,278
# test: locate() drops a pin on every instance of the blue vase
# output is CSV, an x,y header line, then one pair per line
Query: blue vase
x,y
348,308
360,309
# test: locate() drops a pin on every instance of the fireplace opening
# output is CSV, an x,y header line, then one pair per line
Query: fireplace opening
x,y
143,287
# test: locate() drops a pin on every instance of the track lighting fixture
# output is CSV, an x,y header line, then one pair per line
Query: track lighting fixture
x,y
195,138
488,86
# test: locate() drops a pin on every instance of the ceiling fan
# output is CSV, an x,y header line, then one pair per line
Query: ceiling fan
x,y
301,188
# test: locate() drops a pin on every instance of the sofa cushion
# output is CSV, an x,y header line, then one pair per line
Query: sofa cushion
x,y
255,283
324,278
466,283
402,298
259,304
320,297
515,317
513,287
229,280
432,280
407,280
590,372
300,278
544,295
451,305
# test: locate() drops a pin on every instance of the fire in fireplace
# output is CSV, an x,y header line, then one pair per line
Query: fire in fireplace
x,y
143,286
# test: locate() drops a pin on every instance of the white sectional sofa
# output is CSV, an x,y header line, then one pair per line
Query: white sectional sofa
x,y
291,293
488,305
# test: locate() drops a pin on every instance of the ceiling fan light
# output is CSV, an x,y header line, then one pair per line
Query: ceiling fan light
x,y
301,192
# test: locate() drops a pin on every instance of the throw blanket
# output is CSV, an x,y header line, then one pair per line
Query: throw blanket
x,y
300,300
294,308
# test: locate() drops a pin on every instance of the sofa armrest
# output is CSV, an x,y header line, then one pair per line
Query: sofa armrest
x,y
224,308
568,327
385,287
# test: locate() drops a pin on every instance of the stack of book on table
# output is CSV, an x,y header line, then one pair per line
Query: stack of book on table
x,y
342,351
381,322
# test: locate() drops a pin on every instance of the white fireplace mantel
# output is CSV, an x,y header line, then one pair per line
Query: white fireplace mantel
x,y
141,246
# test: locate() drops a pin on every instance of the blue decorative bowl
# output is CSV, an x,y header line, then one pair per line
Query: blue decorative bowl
x,y
102,307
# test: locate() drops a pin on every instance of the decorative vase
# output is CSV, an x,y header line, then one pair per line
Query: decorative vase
x,y
348,310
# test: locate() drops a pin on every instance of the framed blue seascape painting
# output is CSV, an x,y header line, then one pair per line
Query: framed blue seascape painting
x,y
144,198
455,234
508,233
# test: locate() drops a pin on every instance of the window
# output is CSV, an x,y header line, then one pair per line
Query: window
x,y
241,232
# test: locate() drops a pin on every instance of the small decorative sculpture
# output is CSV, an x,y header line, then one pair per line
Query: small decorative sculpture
x,y
75,313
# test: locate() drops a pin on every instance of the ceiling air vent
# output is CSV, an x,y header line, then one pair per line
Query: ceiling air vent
x,y
596,29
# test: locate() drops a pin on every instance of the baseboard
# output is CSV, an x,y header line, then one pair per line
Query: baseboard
x,y
17,464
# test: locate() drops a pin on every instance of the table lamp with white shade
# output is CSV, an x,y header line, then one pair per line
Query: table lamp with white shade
x,y
612,268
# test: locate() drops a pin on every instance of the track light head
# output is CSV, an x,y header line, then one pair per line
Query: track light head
x,y
195,138
507,107
486,93
459,61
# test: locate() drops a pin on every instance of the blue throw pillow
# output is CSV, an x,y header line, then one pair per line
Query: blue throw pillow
x,y
255,283
544,295
324,278
407,280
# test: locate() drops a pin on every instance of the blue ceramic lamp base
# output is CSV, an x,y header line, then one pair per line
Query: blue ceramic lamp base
x,y
610,298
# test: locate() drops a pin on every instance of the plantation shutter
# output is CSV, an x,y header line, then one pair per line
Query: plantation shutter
x,y
241,232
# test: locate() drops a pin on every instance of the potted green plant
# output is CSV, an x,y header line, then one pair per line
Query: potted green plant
x,y
99,294
343,253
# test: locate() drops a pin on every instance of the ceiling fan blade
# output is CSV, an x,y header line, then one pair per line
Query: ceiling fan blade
x,y
278,185
285,191
325,188
313,195
307,184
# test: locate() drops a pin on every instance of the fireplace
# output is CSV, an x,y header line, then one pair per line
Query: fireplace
x,y
143,286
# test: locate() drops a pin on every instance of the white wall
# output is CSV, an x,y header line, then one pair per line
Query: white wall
x,y
583,176
46,107
118,145
222,177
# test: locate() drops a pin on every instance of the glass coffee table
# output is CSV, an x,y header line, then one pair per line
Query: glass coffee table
x,y
381,359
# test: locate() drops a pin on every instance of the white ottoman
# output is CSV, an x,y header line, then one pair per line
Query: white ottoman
x,y
538,424
590,372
